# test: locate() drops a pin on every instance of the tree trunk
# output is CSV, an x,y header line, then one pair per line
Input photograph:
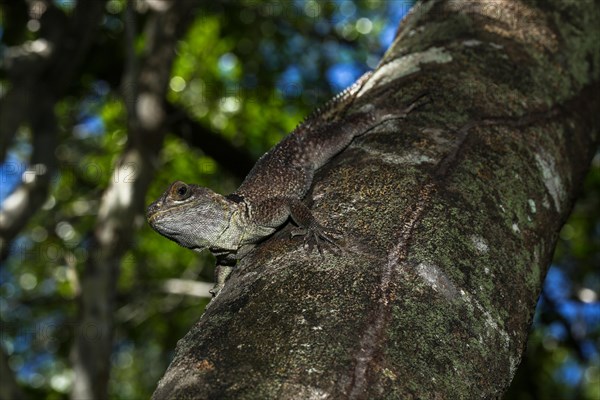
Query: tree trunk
x,y
450,220
123,200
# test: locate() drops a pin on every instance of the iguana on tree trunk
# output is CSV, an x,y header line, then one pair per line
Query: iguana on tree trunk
x,y
230,226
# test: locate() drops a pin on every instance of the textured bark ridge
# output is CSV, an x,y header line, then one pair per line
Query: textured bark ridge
x,y
450,217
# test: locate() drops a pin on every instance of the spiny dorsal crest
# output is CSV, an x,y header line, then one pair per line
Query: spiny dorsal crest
x,y
336,107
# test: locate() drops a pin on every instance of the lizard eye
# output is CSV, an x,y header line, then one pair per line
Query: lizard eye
x,y
180,191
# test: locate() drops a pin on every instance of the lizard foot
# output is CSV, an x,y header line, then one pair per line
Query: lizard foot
x,y
215,290
222,272
319,237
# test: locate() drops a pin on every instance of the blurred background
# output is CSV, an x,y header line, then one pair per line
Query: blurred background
x,y
243,75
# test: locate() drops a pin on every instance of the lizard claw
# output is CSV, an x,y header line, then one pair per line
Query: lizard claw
x,y
319,237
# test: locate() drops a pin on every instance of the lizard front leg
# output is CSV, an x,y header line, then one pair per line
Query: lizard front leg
x,y
222,272
315,234
226,263
275,211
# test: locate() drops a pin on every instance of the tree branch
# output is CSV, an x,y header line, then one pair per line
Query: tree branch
x,y
38,79
187,287
123,200
232,158
41,75
33,191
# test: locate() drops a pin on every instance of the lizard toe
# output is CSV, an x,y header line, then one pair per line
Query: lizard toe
x,y
320,238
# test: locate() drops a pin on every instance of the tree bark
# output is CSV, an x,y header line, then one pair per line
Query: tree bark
x,y
450,222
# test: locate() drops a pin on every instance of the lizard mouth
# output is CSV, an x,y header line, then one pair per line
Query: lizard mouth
x,y
156,209
153,209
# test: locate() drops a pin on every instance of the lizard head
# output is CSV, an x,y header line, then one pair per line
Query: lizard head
x,y
193,216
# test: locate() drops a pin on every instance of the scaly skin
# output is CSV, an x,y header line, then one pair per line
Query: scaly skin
x,y
229,226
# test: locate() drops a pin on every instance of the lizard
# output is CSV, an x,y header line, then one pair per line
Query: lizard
x,y
230,226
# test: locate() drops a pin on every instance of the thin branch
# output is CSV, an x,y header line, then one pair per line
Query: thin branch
x,y
232,158
187,287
